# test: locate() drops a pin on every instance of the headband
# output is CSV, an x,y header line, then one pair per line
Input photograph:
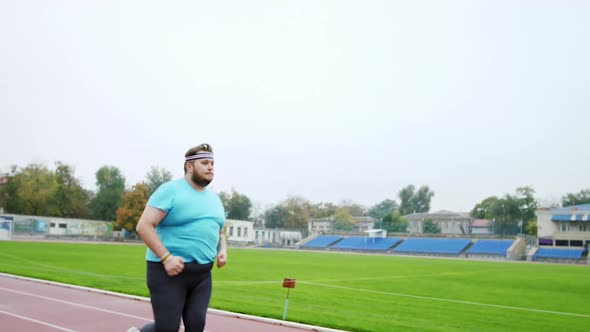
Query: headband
x,y
203,155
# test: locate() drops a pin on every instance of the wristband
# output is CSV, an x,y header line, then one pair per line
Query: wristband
x,y
165,257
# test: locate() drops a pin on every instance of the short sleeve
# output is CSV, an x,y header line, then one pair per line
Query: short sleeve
x,y
163,197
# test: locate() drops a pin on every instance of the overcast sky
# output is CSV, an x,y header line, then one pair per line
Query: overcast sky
x,y
328,100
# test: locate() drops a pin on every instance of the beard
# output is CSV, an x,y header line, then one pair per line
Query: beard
x,y
200,180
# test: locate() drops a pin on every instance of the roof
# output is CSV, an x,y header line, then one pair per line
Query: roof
x,y
481,223
438,216
374,230
571,209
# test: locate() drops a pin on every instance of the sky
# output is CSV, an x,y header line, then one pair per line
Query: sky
x,y
330,100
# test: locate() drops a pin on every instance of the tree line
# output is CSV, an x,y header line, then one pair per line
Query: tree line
x,y
37,190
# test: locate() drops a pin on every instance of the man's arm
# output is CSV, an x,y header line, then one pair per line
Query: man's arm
x,y
222,249
146,228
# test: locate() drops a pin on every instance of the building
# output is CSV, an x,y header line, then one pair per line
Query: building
x,y
450,223
320,226
326,225
239,231
567,226
363,224
277,237
481,227
40,226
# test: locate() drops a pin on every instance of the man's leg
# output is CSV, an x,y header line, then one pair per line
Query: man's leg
x,y
167,295
197,302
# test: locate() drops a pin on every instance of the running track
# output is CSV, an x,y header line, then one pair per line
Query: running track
x,y
41,306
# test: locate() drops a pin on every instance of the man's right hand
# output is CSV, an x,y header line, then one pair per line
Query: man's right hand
x,y
174,265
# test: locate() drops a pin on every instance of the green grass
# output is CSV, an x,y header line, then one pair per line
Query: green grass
x,y
345,291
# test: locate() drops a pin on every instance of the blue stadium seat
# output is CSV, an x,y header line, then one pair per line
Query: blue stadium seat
x,y
367,243
322,241
432,246
490,247
561,253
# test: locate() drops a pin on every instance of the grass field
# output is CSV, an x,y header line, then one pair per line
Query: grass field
x,y
346,291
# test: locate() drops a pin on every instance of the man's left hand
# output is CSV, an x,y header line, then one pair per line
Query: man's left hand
x,y
221,258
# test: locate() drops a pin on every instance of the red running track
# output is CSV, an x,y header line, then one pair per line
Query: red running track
x,y
41,306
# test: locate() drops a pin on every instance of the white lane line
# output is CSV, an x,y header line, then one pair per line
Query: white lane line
x,y
75,304
449,300
146,299
80,305
36,321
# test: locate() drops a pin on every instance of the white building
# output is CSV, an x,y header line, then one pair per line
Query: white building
x,y
320,226
276,236
567,226
452,223
326,225
240,231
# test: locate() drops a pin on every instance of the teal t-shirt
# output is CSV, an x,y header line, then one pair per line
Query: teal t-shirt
x,y
192,224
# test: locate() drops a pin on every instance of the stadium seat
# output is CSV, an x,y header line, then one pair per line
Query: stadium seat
x,y
432,246
490,247
322,241
561,253
367,243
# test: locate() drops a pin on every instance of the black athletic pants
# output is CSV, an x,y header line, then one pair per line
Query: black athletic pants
x,y
186,295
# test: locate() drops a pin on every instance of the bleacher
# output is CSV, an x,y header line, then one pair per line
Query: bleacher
x,y
322,241
367,243
432,246
490,247
561,253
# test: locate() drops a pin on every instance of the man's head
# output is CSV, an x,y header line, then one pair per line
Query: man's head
x,y
198,164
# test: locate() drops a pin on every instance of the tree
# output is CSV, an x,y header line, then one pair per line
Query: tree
x,y
527,206
111,187
292,213
69,199
236,206
583,197
506,216
322,210
378,211
28,191
155,177
394,222
429,227
356,210
343,220
531,228
483,210
133,204
276,217
415,202
510,214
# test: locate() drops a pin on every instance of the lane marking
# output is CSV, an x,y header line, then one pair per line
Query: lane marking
x,y
75,304
36,321
448,300
209,311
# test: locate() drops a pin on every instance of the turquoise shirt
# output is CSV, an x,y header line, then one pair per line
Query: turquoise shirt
x,y
192,223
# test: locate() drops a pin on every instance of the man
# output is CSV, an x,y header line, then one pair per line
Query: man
x,y
182,226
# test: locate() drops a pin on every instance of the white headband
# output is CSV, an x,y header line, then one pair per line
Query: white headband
x,y
203,155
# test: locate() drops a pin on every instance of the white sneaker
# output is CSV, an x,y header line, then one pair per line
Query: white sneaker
x,y
133,329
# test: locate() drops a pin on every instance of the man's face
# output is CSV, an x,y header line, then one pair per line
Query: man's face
x,y
203,172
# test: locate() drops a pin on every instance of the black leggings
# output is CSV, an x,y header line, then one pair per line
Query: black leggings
x,y
186,295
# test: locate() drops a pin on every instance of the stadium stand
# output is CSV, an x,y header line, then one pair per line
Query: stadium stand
x,y
432,246
490,247
554,253
322,241
367,243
